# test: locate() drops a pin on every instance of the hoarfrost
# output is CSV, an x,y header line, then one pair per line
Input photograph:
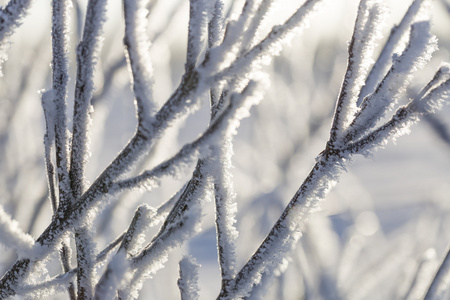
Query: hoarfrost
x,y
188,280
365,36
13,237
416,12
375,106
141,70
115,278
10,18
154,256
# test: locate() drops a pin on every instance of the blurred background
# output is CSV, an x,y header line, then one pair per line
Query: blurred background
x,y
380,233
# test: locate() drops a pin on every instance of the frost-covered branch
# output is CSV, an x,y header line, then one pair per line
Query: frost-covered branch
x,y
196,31
60,78
365,35
55,109
115,272
177,221
287,230
87,55
64,281
188,281
216,33
226,208
258,19
134,235
10,19
49,287
415,11
48,106
268,47
421,45
86,262
215,25
218,167
137,46
155,254
50,237
10,16
137,146
12,236
402,119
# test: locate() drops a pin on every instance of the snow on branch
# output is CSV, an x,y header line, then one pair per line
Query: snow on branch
x,y
60,282
198,10
443,74
432,100
183,100
178,218
133,238
226,208
116,270
184,199
12,236
218,167
398,125
365,35
414,13
176,106
60,40
10,18
55,111
113,278
344,142
49,287
87,53
109,248
155,254
270,46
137,45
216,31
286,231
232,36
374,107
434,94
85,246
49,108
188,281
215,25
258,18
163,211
